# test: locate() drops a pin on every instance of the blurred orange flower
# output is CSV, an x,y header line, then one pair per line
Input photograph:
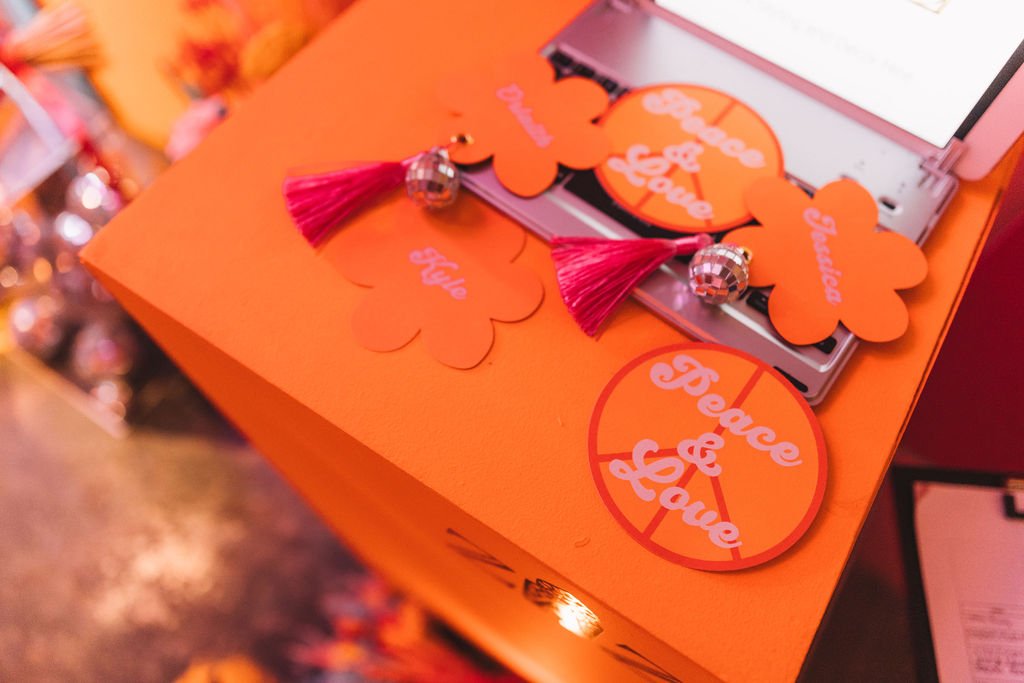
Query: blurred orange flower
x,y
209,67
268,50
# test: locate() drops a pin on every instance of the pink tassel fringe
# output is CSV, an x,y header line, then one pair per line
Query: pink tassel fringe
x,y
320,203
595,275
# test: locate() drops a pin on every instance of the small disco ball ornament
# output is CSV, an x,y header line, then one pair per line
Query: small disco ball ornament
x,y
103,350
432,180
90,196
719,273
38,325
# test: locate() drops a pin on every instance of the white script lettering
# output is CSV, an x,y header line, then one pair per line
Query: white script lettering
x,y
823,226
669,469
675,103
513,96
651,171
438,272
689,375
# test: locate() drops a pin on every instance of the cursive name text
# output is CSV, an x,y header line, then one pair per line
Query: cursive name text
x,y
823,226
512,95
438,271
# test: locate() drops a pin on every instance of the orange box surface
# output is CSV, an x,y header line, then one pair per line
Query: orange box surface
x,y
463,485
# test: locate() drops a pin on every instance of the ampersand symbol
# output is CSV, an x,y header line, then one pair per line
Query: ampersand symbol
x,y
703,452
661,471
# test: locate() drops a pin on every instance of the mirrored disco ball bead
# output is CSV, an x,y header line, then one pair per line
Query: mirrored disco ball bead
x,y
719,273
432,180
90,196
38,325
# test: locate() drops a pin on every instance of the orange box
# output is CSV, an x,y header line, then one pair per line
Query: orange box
x,y
472,489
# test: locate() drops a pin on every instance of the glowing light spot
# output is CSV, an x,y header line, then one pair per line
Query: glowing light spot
x,y
74,229
8,277
92,198
42,270
571,613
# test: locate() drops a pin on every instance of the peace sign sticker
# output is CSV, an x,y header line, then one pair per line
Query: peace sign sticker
x,y
683,155
707,457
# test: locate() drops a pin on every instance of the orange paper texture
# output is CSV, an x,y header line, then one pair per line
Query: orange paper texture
x,y
443,276
683,154
517,113
463,486
827,261
726,429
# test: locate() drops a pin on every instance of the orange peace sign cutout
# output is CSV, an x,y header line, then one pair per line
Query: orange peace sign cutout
x,y
682,155
707,457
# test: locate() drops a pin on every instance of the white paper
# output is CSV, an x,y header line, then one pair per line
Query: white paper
x,y
972,567
919,64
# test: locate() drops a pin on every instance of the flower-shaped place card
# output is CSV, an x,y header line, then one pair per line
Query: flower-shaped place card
x,y
518,114
828,261
445,278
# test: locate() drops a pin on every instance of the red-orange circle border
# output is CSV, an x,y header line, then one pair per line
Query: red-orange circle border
x,y
606,186
693,563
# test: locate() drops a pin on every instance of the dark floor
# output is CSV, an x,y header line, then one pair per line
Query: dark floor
x,y
125,559
866,636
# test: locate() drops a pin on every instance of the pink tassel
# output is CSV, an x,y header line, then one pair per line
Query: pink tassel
x,y
321,202
595,274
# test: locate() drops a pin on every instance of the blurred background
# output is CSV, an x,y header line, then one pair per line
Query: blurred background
x,y
141,538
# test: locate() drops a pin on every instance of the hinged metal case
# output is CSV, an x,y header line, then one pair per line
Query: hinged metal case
x,y
636,43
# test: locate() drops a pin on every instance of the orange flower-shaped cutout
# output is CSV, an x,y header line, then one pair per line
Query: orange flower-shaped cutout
x,y
443,277
516,112
828,261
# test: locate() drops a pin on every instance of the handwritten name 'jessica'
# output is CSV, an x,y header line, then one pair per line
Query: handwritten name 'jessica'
x,y
823,226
